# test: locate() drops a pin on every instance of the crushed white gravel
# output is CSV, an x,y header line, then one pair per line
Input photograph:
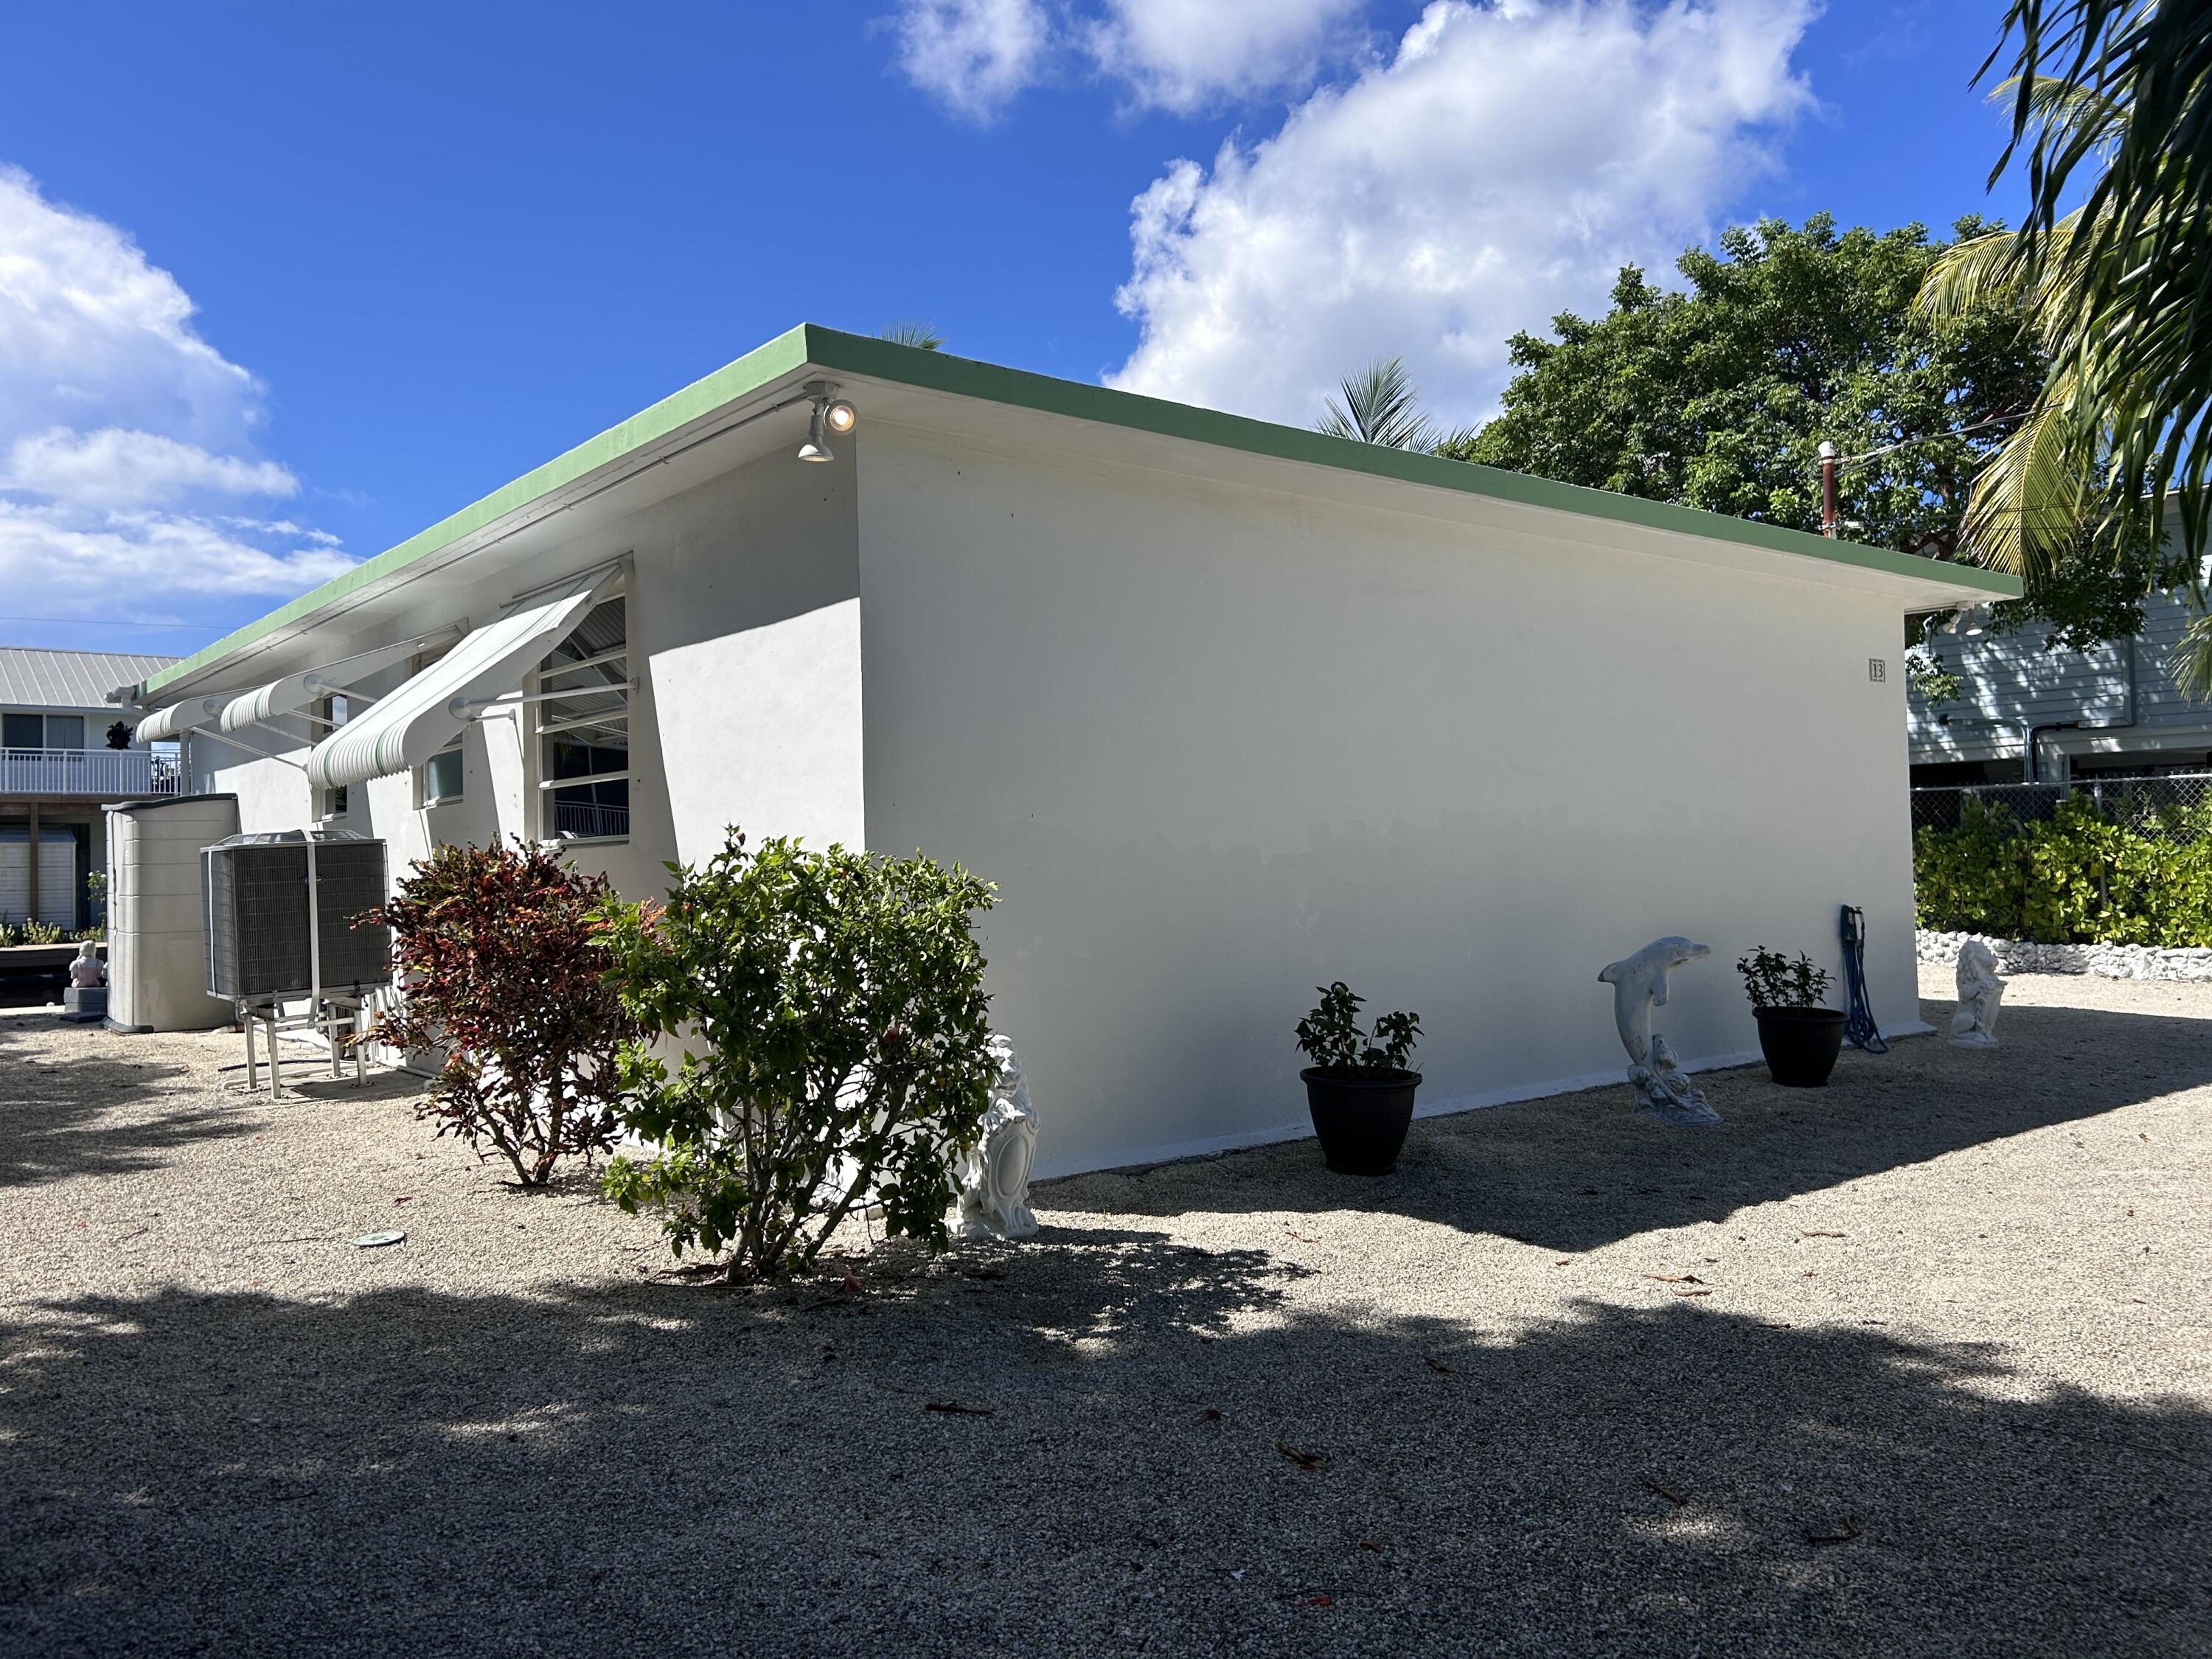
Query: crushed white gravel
x,y
1919,1363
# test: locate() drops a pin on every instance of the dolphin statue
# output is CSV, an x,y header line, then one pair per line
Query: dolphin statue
x,y
1639,984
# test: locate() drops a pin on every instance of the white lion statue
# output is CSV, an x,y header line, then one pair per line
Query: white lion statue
x,y
995,1173
1980,990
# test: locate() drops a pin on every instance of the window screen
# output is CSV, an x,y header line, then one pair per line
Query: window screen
x,y
583,729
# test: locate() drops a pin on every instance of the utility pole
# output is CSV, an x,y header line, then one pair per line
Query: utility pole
x,y
1828,511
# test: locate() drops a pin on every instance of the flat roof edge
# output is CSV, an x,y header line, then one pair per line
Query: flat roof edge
x,y
812,344
937,371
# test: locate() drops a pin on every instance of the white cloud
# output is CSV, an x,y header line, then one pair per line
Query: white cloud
x,y
1184,55
124,436
113,467
975,55
1499,167
90,333
66,561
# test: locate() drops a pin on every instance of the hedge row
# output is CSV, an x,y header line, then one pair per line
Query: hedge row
x,y
2075,879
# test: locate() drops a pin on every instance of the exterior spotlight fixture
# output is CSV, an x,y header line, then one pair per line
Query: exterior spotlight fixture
x,y
829,416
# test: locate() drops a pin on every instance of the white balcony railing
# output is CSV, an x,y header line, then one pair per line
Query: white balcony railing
x,y
101,774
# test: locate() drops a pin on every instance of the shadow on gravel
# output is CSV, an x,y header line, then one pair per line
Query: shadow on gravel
x,y
669,1468
1575,1171
61,1118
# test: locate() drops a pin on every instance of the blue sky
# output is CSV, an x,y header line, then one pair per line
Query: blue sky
x,y
281,284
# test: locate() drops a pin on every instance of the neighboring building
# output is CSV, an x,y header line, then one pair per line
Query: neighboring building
x,y
1226,709
2027,714
62,752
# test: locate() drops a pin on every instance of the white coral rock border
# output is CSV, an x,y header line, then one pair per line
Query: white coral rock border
x,y
2105,961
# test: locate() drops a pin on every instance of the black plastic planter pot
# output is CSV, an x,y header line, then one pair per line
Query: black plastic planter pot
x,y
1800,1044
1361,1118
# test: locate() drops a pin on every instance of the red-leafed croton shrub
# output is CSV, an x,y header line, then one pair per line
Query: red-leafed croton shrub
x,y
505,974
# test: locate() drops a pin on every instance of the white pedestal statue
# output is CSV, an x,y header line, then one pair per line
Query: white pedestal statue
x,y
994,1174
1980,991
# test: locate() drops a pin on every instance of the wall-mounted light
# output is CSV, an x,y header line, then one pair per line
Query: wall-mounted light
x,y
830,416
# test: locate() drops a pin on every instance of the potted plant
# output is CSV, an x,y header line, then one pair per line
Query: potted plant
x,y
1799,1038
1358,1088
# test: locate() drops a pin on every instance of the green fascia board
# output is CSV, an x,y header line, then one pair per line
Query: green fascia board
x,y
856,354
812,345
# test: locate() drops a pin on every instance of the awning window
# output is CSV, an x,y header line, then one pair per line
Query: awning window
x,y
423,715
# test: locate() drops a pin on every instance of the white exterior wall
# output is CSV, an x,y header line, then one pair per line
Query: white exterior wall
x,y
1218,745
744,614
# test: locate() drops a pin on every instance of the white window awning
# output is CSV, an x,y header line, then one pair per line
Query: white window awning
x,y
179,717
302,690
422,716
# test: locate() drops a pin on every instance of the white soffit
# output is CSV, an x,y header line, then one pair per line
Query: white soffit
x,y
417,721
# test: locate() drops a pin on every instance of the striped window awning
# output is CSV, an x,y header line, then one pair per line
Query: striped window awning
x,y
408,725
295,692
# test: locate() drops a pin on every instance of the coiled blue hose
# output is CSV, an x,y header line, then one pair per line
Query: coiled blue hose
x,y
1859,1028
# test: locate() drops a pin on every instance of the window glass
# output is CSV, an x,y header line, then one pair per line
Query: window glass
x,y
584,733
22,732
441,778
64,731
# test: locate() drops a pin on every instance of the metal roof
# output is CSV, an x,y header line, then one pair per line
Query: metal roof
x,y
68,679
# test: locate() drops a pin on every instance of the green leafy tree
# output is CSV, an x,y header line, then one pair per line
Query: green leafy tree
x,y
834,1027
1720,394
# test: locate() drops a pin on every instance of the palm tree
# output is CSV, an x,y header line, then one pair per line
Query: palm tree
x,y
923,337
2120,289
1381,406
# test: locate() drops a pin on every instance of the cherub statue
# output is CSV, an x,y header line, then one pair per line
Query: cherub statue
x,y
1980,990
995,1173
87,971
1639,985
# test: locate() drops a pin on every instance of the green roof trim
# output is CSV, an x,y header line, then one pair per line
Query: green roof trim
x,y
857,353
810,345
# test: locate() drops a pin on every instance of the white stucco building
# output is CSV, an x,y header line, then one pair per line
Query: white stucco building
x,y
1226,709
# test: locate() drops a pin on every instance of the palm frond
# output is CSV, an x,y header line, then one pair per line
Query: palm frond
x,y
1381,405
923,337
2192,663
1967,276
2031,499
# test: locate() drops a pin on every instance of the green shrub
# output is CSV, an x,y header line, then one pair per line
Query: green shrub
x,y
2076,877
504,971
833,1025
1331,1038
1771,980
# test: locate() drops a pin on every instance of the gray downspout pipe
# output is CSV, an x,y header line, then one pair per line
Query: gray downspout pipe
x,y
2036,732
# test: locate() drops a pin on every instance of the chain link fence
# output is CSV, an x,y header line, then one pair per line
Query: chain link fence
x,y
2163,805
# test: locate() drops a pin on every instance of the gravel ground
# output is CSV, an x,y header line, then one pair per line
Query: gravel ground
x,y
1916,1364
